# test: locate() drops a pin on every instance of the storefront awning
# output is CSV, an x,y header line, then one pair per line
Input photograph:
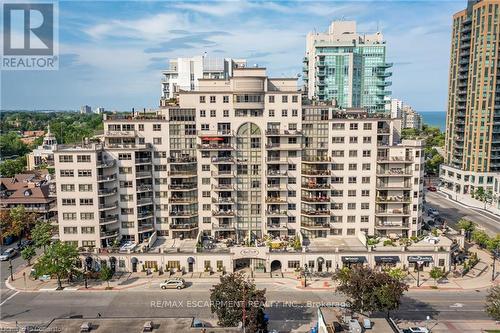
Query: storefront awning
x,y
386,259
420,258
354,259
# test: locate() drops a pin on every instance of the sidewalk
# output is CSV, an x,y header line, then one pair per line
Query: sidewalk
x,y
467,201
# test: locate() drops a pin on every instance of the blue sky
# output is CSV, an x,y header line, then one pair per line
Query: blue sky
x,y
112,53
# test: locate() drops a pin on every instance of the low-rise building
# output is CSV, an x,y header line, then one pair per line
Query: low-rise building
x,y
43,156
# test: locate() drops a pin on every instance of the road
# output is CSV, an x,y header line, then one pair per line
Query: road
x,y
288,307
452,212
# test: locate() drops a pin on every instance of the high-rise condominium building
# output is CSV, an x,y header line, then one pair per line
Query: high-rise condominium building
x,y
183,73
240,159
348,67
84,109
395,107
411,118
472,147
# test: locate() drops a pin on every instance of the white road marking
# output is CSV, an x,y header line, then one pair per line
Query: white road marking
x,y
457,305
8,298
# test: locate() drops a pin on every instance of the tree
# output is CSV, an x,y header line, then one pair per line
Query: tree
x,y
106,274
483,195
233,294
397,273
42,234
10,168
481,238
15,221
468,227
12,146
436,273
370,291
28,253
493,303
433,162
59,259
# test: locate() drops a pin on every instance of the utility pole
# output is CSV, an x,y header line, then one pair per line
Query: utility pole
x,y
11,273
493,273
244,308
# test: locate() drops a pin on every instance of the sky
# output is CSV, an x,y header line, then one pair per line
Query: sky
x,y
111,53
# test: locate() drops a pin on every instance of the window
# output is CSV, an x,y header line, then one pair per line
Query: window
x,y
126,184
86,202
293,264
338,139
284,99
225,113
292,180
88,230
65,158
367,126
366,166
125,157
127,211
156,127
353,139
353,126
85,187
202,99
271,113
284,112
83,158
205,194
157,141
68,202
365,193
292,126
338,153
207,220
351,219
337,180
367,153
212,113
338,126
70,230
205,127
88,243
351,205
203,113
225,99
86,216
365,180
271,99
206,207
295,99
69,216
125,170
292,206
352,180
351,193
365,219
67,187
353,153
84,173
365,205
295,112
351,232
67,173
205,181
367,139
126,197
353,166
205,167
141,127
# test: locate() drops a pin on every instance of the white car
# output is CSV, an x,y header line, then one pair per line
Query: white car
x,y
416,330
175,283
8,254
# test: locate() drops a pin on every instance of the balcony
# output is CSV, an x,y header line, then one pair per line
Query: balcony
x,y
144,188
143,160
219,133
383,131
316,199
106,192
277,160
277,226
223,200
223,226
120,134
223,187
144,215
394,186
316,172
395,159
394,172
109,206
277,187
183,213
277,213
223,173
108,219
183,187
179,200
223,213
314,186
108,178
278,132
145,201
182,173
316,212
109,233
393,199
315,226
316,159
277,173
143,174
276,200
106,164
215,146
392,212
392,225
145,228
183,226
181,160
223,160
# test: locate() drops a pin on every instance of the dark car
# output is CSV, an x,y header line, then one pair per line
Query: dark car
x,y
432,189
24,244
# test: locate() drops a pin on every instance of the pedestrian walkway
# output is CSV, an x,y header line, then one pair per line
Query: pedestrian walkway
x,y
467,201
453,326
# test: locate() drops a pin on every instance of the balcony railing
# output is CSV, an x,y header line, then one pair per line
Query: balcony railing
x,y
181,159
395,212
182,173
107,191
144,215
109,206
277,212
109,219
223,212
143,160
316,172
221,200
184,226
190,186
275,200
215,146
316,186
182,213
228,159
107,178
317,159
106,164
143,174
143,188
277,173
321,212
316,199
277,132
223,173
395,159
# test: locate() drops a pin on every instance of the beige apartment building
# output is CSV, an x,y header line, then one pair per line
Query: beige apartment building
x,y
241,173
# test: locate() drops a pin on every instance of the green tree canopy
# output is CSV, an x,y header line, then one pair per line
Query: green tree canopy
x,y
42,234
369,290
10,168
11,145
493,303
106,274
59,259
233,294
28,253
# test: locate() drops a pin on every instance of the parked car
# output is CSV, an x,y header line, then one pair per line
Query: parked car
x,y
24,244
8,254
416,330
432,189
175,283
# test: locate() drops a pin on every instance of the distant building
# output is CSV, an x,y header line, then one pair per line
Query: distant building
x,y
395,108
348,67
85,109
28,137
33,190
184,73
411,119
99,110
44,154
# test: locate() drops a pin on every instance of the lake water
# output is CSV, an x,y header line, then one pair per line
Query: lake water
x,y
435,118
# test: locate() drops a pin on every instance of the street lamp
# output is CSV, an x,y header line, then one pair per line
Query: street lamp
x,y
419,263
306,270
493,273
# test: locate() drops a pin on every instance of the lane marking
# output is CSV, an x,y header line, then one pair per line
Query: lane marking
x,y
8,298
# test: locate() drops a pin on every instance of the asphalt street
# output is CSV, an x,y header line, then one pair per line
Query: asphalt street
x,y
452,212
288,307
